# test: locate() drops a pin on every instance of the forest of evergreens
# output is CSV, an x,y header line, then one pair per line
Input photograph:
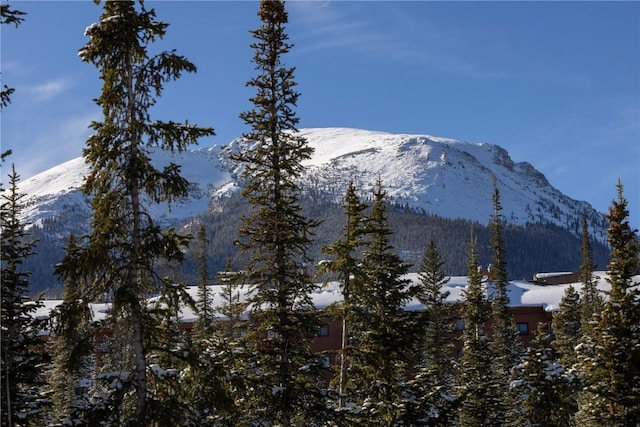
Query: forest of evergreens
x,y
396,368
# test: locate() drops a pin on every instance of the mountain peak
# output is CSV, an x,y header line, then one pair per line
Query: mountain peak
x,y
440,176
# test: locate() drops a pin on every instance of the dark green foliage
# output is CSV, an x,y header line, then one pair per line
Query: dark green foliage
x,y
610,358
433,384
345,265
505,341
547,389
283,373
567,327
72,351
204,305
477,386
532,249
21,352
385,332
591,302
119,257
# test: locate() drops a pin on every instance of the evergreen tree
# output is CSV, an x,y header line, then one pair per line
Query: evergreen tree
x,y
567,334
119,256
505,344
21,358
591,302
72,351
547,387
208,380
233,306
567,327
478,391
204,303
433,383
346,266
386,333
284,375
610,358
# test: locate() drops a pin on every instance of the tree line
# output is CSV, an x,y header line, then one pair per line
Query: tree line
x,y
395,367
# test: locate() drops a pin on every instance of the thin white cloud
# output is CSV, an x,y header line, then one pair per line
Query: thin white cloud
x,y
406,39
48,90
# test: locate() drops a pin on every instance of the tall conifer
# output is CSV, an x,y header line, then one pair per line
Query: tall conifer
x,y
385,331
346,265
567,327
434,380
204,303
477,389
283,373
610,358
505,341
72,350
124,246
19,339
591,301
546,386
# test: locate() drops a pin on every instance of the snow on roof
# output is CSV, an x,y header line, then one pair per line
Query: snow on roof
x,y
521,293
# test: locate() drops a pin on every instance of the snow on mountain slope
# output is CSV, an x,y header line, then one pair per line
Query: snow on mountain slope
x,y
441,176
58,189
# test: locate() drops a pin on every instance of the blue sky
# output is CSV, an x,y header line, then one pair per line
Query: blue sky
x,y
557,84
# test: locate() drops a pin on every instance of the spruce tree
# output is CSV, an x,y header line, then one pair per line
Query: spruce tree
x,y
119,256
591,302
204,303
72,346
284,374
20,343
610,358
434,379
546,386
386,333
345,266
567,327
233,305
477,390
505,343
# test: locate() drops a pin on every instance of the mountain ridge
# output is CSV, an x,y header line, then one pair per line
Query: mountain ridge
x,y
435,175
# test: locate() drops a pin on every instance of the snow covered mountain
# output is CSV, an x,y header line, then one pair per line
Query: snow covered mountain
x,y
440,176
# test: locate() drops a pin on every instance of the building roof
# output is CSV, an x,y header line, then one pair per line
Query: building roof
x,y
521,294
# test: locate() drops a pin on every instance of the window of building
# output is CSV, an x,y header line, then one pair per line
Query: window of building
x,y
460,324
325,361
523,328
323,330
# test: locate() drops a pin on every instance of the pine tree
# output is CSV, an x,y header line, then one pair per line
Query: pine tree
x,y
433,383
478,391
505,343
204,303
567,334
591,302
547,387
209,379
567,327
610,358
346,266
120,254
283,372
386,333
72,352
21,358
